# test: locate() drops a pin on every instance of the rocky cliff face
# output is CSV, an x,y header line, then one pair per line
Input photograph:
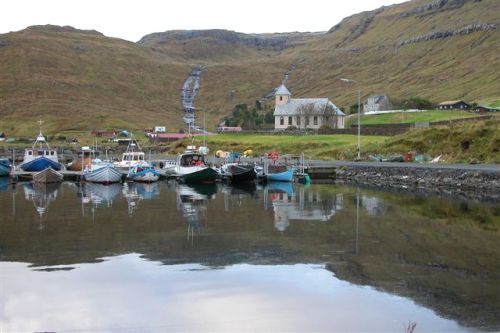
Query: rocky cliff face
x,y
468,29
273,41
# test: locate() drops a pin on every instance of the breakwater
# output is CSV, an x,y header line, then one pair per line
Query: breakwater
x,y
473,184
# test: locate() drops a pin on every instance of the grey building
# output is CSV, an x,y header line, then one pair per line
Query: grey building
x,y
305,113
377,103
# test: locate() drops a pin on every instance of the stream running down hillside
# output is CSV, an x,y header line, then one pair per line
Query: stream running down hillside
x,y
188,93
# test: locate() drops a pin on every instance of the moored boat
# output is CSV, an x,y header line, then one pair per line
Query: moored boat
x,y
102,172
284,176
48,175
192,167
84,159
143,172
131,157
40,156
238,172
5,167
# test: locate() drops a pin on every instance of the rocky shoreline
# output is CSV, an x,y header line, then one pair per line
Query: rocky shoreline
x,y
476,185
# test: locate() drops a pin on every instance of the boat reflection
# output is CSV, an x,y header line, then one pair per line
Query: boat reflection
x,y
99,194
135,192
234,194
4,183
192,202
41,195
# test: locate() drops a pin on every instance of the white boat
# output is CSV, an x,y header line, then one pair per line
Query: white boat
x,y
130,157
192,167
40,156
143,172
48,175
102,172
167,167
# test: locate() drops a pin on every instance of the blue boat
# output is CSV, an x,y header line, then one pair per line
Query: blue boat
x,y
285,176
5,167
40,156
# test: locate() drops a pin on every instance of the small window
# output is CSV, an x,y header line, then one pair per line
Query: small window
x,y
281,98
307,120
30,152
315,120
282,121
289,120
52,153
298,120
40,153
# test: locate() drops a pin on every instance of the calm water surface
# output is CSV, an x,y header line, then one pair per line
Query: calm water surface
x,y
168,257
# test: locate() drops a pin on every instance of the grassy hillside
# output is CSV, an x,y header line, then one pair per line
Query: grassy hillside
x,y
410,117
313,146
466,143
82,79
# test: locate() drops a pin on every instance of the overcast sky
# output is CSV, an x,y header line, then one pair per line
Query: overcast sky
x,y
132,19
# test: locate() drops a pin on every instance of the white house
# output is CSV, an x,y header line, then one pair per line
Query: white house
x,y
377,103
305,113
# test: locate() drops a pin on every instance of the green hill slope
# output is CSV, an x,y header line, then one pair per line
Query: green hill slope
x,y
439,50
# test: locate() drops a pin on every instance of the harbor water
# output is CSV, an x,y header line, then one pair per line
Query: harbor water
x,y
282,257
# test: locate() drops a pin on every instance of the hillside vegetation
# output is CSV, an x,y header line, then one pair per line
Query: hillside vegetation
x,y
438,50
409,117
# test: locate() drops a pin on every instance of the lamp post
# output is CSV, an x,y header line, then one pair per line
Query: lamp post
x,y
359,115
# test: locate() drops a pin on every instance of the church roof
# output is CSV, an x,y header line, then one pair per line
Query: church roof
x,y
282,90
306,106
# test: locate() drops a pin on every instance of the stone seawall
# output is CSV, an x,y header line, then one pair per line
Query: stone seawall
x,y
481,185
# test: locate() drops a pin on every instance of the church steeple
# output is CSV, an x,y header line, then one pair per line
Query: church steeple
x,y
282,95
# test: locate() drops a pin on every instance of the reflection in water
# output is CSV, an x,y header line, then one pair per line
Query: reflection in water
x,y
4,183
135,192
301,205
339,249
41,195
234,195
190,298
192,201
99,194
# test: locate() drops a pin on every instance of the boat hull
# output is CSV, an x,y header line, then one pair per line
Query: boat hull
x,y
5,167
241,173
48,175
285,176
79,165
147,176
39,164
199,175
104,175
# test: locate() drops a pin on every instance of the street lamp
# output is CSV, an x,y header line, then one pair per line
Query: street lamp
x,y
359,114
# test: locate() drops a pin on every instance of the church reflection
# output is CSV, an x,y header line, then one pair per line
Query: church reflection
x,y
299,203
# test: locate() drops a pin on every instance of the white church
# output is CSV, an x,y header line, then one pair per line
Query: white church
x,y
305,113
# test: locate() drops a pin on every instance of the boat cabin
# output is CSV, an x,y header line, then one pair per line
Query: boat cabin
x,y
32,153
135,156
192,159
